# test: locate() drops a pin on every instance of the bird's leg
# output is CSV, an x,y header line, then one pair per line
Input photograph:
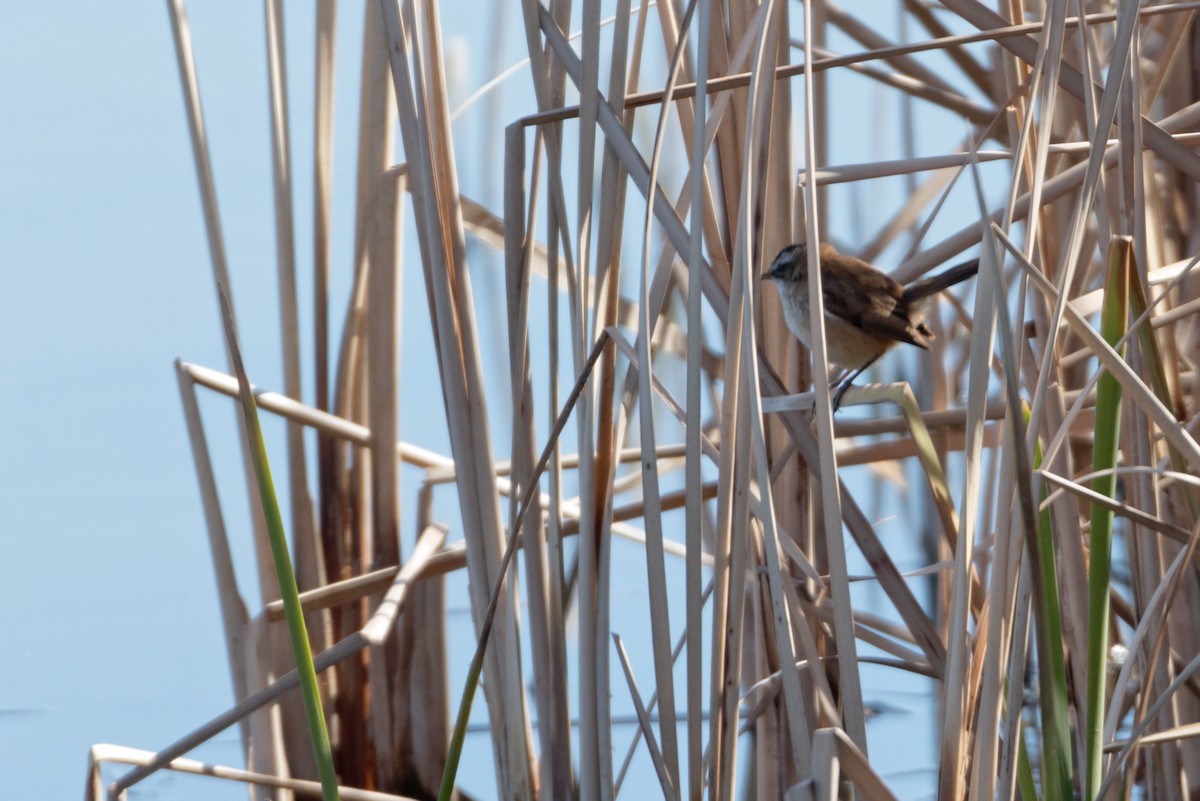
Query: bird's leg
x,y
841,390
840,374
845,385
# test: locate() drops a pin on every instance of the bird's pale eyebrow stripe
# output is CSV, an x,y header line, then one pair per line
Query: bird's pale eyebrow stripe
x,y
785,254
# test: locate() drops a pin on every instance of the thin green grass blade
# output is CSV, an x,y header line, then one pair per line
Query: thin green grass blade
x,y
1052,666
1025,784
1104,458
454,753
288,590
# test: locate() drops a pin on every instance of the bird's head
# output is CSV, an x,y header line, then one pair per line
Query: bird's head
x,y
791,265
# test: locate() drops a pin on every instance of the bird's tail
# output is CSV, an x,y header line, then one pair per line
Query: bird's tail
x,y
926,287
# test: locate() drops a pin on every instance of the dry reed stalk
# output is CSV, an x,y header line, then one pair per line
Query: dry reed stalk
x,y
669,788
120,755
386,676
266,749
285,236
344,498
322,211
425,129
542,570
304,542
834,751
692,426
660,620
233,608
826,464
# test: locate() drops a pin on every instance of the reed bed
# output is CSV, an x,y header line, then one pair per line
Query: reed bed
x,y
1011,528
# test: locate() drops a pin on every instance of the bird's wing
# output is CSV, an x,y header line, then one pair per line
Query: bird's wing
x,y
878,309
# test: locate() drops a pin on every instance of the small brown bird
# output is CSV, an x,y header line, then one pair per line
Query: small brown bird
x,y
866,311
